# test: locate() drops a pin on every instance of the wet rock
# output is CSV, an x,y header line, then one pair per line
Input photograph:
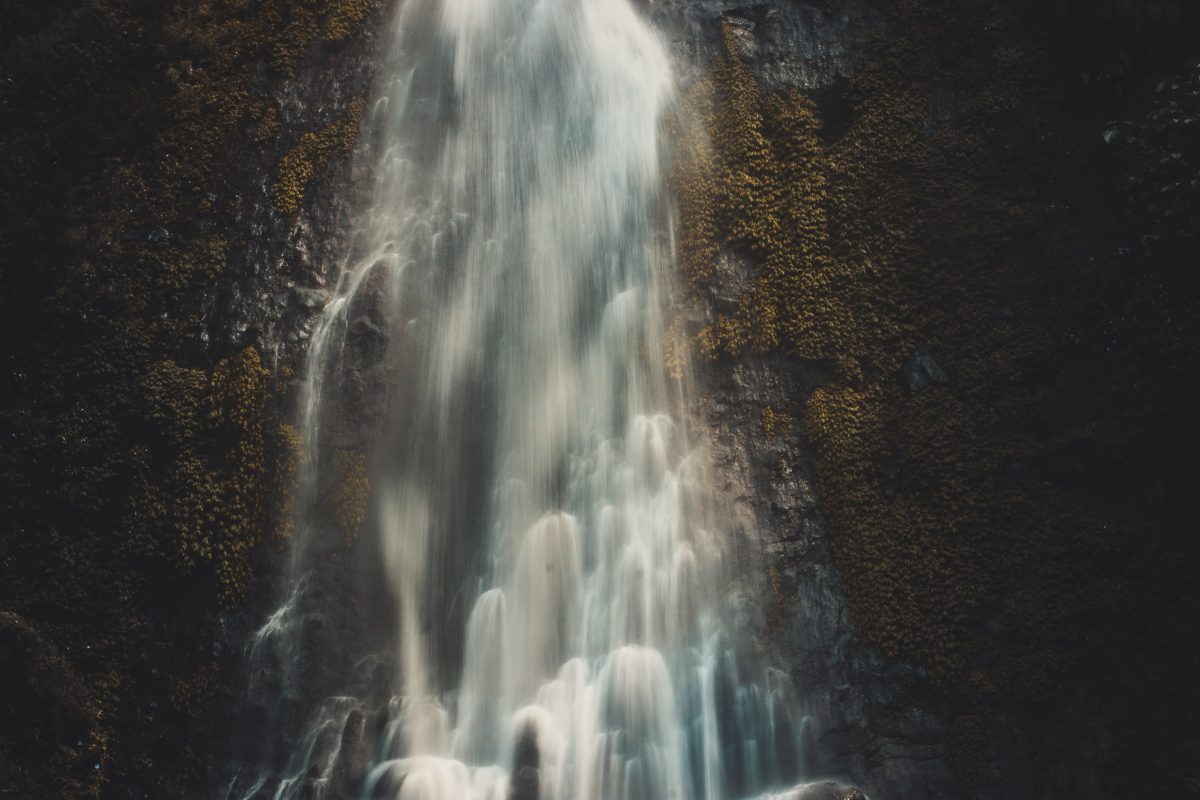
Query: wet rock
x,y
377,724
367,319
863,717
308,299
44,702
823,790
310,788
731,281
366,340
790,45
526,760
352,760
387,784
944,107
920,371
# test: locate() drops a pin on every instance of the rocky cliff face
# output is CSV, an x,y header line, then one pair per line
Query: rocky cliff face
x,y
892,221
941,348
872,722
157,253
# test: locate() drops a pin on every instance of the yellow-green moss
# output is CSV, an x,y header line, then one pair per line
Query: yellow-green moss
x,y
289,450
296,37
352,488
906,229
146,467
265,122
215,492
940,213
236,410
345,17
775,424
312,152
751,177
755,176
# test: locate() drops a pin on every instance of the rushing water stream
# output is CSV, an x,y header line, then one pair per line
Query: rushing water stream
x,y
531,463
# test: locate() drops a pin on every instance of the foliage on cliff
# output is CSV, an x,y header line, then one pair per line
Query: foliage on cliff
x,y
142,461
311,153
1011,337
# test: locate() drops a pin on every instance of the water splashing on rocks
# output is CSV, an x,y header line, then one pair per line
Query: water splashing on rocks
x,y
553,564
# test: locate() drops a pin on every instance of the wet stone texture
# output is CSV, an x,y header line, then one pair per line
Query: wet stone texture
x,y
873,723
792,45
285,266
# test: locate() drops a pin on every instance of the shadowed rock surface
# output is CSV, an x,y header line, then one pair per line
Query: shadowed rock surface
x,y
992,585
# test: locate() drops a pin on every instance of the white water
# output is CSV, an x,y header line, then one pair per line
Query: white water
x,y
532,465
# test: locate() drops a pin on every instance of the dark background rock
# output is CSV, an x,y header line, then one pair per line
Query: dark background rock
x,y
107,621
920,371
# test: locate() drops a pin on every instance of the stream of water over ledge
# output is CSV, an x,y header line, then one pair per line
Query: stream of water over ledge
x,y
552,552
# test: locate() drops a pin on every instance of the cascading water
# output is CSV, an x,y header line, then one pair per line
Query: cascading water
x,y
529,462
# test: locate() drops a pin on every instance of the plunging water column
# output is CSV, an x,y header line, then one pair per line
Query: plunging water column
x,y
530,463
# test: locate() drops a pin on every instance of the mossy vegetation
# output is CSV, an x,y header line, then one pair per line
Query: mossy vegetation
x,y
752,178
219,515
144,461
344,18
949,201
1022,530
352,487
776,425
289,445
312,153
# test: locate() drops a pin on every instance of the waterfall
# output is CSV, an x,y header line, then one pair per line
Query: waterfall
x,y
542,516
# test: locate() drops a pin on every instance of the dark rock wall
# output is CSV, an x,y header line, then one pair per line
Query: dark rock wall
x,y
936,282
159,226
945,327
